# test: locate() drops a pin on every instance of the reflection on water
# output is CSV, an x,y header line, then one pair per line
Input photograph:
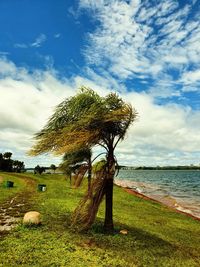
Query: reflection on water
x,y
179,189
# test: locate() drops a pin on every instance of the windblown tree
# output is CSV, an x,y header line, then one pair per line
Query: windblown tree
x,y
79,162
87,120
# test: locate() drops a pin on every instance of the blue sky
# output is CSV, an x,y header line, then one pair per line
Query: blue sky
x,y
34,30
147,51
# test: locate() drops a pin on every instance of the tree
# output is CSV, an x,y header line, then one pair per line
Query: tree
x,y
86,120
39,169
79,161
53,167
7,162
7,155
1,161
9,165
18,166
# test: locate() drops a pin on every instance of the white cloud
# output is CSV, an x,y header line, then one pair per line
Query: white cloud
x,y
191,77
7,67
134,39
159,132
138,39
39,40
27,100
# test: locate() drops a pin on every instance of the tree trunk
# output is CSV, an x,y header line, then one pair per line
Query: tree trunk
x,y
85,214
89,175
70,179
108,223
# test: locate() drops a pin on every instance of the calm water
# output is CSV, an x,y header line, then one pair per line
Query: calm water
x,y
180,189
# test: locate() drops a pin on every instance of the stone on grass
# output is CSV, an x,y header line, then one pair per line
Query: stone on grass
x,y
32,218
124,232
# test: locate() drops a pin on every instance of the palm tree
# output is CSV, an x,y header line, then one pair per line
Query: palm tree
x,y
79,160
87,120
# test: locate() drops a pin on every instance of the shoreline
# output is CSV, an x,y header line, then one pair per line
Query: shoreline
x,y
140,195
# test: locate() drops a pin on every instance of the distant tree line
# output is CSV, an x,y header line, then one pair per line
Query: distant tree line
x,y
40,169
190,167
9,165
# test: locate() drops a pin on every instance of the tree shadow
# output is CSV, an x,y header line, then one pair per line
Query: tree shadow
x,y
140,241
135,239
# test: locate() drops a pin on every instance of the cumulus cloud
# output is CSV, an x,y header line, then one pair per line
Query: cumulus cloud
x,y
27,101
132,39
162,134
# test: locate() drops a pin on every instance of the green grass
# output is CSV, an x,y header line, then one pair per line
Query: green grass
x,y
157,236
6,193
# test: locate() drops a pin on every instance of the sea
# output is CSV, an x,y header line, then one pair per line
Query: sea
x,y
179,189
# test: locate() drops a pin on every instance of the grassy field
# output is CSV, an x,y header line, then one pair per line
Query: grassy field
x,y
19,185
157,236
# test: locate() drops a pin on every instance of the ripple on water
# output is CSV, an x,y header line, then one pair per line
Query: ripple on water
x,y
180,190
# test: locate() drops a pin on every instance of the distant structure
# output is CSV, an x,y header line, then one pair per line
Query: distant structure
x,y
127,168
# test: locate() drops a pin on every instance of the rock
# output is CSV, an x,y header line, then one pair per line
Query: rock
x,y
123,232
32,218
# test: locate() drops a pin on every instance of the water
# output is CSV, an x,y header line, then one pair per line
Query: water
x,y
179,189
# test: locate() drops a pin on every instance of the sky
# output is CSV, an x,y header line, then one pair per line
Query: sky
x,y
147,51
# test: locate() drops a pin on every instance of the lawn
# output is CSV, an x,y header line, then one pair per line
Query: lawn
x,y
19,185
157,236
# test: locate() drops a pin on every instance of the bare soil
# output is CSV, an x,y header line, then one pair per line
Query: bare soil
x,y
13,209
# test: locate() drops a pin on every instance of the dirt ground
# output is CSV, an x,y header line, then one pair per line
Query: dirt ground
x,y
13,209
